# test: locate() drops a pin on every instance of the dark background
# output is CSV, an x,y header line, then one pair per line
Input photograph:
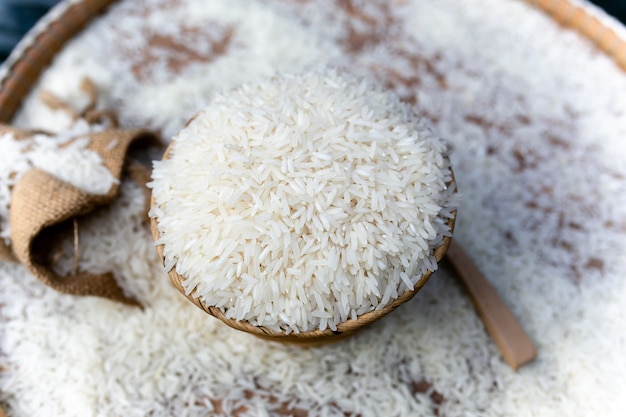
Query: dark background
x,y
17,16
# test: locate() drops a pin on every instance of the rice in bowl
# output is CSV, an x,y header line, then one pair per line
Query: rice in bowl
x,y
302,201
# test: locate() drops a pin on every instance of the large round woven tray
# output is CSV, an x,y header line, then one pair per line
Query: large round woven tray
x,y
21,71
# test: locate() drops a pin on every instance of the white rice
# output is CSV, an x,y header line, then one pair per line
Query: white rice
x,y
302,201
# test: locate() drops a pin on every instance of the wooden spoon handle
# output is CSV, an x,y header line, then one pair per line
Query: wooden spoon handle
x,y
515,345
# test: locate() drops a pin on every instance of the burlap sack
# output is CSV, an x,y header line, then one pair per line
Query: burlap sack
x,y
43,206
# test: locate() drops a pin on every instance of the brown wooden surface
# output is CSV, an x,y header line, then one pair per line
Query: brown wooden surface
x,y
515,345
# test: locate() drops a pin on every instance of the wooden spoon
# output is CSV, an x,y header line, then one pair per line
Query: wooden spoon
x,y
513,342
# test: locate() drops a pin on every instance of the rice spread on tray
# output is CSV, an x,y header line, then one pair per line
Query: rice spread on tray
x,y
535,118
302,201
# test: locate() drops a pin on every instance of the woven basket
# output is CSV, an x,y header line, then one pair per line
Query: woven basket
x,y
310,338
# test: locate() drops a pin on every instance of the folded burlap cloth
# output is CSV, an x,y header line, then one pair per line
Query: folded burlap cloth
x,y
43,207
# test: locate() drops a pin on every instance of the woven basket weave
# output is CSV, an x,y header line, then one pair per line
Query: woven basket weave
x,y
311,338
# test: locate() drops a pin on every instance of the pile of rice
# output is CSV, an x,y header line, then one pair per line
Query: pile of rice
x,y
302,201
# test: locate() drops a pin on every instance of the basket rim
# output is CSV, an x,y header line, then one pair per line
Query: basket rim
x,y
312,337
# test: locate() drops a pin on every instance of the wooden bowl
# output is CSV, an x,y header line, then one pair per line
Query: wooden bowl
x,y
309,338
